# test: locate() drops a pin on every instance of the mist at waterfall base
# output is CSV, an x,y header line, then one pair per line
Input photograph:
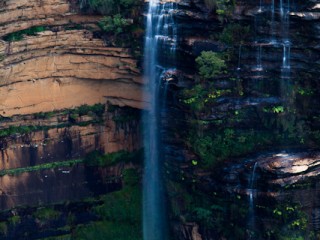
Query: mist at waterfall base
x,y
160,34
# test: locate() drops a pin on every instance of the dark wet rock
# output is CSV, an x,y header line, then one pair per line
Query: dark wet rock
x,y
306,15
185,15
274,170
228,105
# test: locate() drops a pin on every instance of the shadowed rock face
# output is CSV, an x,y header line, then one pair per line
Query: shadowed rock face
x,y
281,178
58,185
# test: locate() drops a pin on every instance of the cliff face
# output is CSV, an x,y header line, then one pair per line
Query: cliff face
x,y
246,152
63,94
57,70
51,60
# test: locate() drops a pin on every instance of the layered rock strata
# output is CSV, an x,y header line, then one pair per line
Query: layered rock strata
x,y
58,70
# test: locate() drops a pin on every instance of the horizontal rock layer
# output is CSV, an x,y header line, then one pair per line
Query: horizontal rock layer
x,y
62,141
53,71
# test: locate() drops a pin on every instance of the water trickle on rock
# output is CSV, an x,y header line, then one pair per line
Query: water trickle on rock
x,y
259,57
252,191
239,58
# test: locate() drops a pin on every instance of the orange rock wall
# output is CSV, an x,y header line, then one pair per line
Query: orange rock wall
x,y
60,69
63,69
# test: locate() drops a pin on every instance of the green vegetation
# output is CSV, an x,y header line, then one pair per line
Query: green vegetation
x,y
222,7
44,115
97,158
2,57
46,214
123,115
114,25
63,237
227,216
120,213
16,171
14,220
107,230
108,7
103,6
3,228
96,111
202,95
18,36
18,130
235,34
91,110
122,206
122,21
117,215
210,64
131,177
213,148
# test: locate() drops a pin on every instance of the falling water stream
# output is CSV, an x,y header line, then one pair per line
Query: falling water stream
x,y
161,37
273,41
239,58
282,39
285,24
252,181
259,57
260,7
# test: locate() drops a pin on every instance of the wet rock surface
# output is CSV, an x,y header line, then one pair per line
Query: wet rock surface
x,y
261,108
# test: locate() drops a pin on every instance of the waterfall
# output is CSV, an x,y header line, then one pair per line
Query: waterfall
x,y
161,37
281,8
286,57
273,41
251,223
239,58
258,40
260,7
259,63
285,23
259,67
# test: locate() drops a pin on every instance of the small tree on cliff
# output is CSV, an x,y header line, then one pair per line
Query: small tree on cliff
x,y
114,25
210,64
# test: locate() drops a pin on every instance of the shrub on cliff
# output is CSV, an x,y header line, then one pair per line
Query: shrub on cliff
x,y
107,7
210,64
114,25
223,8
235,34
102,6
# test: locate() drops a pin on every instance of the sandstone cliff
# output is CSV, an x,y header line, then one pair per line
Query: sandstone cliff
x,y
60,69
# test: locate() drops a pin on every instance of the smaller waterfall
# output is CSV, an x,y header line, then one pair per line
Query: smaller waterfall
x,y
260,7
252,181
272,28
259,67
251,217
286,56
285,22
281,8
239,58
